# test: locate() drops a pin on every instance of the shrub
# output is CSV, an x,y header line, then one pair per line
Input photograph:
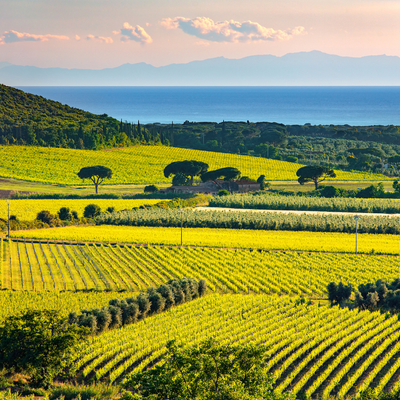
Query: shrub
x,y
91,211
223,192
46,216
110,209
13,218
74,214
151,189
292,159
64,214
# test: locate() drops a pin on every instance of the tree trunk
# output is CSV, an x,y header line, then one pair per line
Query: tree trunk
x,y
316,184
96,185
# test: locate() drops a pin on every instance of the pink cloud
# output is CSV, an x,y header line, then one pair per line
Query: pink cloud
x,y
228,31
100,39
14,36
135,33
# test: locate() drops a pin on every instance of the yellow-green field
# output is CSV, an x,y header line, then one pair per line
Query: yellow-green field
x,y
20,301
317,350
141,164
43,266
235,238
26,210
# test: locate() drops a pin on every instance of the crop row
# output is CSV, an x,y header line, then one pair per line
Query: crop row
x,y
27,209
314,349
276,202
335,222
237,238
45,266
139,164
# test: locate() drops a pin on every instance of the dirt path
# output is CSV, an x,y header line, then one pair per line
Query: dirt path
x,y
295,212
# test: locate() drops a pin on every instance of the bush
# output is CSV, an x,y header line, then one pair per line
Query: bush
x,y
223,192
74,214
64,214
292,159
110,209
13,218
46,216
91,211
151,189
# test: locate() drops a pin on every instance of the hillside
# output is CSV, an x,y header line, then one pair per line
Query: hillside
x,y
29,119
139,164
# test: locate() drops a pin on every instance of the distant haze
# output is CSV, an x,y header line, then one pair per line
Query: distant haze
x,y
296,69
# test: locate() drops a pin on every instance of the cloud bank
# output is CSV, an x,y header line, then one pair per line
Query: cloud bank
x,y
228,31
14,36
99,39
135,33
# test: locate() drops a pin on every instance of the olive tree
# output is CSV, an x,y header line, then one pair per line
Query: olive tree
x,y
96,174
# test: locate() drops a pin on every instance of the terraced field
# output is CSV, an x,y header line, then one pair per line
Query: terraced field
x,y
231,238
55,267
139,165
315,349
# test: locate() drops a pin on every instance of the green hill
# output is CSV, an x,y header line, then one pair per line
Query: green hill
x,y
27,119
139,164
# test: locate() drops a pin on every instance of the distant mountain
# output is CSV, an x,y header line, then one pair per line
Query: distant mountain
x,y
295,69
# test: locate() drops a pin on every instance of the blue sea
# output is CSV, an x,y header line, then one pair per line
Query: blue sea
x,y
288,105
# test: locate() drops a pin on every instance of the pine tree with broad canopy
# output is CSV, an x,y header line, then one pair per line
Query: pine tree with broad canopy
x,y
96,174
189,168
314,173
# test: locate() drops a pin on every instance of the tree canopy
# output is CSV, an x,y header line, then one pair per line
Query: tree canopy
x,y
38,343
210,370
189,168
228,174
96,174
314,173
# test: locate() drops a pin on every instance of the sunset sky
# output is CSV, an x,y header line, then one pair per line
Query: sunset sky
x,y
107,33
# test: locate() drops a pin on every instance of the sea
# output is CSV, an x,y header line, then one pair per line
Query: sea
x,y
360,106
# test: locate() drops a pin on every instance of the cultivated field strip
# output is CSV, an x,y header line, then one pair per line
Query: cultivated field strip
x,y
316,350
28,265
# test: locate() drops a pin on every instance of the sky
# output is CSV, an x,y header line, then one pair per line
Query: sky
x,y
100,34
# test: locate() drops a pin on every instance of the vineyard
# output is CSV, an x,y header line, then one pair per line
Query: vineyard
x,y
27,210
139,165
55,267
231,238
315,349
20,301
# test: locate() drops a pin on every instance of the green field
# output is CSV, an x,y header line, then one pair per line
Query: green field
x,y
231,238
56,267
314,349
138,165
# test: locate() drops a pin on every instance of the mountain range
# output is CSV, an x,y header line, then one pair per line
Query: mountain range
x,y
295,69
